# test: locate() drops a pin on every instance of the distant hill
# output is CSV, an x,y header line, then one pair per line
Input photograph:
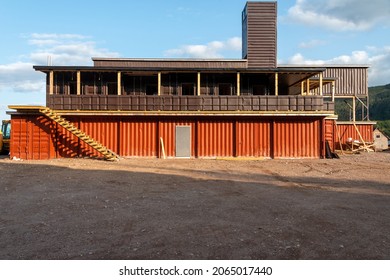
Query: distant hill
x,y
379,107
380,102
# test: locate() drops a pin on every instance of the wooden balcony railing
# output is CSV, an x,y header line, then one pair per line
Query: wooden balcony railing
x,y
188,103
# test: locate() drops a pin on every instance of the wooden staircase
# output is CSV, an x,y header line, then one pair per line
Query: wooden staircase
x,y
107,153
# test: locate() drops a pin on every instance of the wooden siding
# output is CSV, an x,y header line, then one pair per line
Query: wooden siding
x,y
350,81
259,34
166,64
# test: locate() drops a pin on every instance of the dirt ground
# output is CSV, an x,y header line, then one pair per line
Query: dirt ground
x,y
196,209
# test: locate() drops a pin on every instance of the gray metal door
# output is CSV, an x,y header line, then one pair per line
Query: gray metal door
x,y
183,141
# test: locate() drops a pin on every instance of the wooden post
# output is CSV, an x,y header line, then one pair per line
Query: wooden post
x,y
119,83
159,83
78,87
333,90
354,109
238,84
51,82
198,85
321,83
307,87
276,84
302,88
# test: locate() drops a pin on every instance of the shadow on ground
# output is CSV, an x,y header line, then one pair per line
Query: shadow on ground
x,y
62,212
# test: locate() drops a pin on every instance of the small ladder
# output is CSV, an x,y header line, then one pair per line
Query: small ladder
x,y
107,153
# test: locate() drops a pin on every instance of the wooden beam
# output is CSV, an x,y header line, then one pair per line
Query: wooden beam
x,y
78,88
238,84
321,84
302,88
198,85
354,109
276,84
159,83
119,82
51,82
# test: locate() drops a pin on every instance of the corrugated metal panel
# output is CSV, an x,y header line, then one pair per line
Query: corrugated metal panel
x,y
138,137
102,129
349,131
31,138
19,137
261,39
167,133
253,138
297,139
36,137
349,81
215,138
42,147
67,145
330,133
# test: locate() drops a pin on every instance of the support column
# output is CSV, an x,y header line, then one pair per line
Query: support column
x,y
276,84
321,83
307,87
354,109
51,82
198,85
302,88
238,84
119,82
78,88
333,90
159,83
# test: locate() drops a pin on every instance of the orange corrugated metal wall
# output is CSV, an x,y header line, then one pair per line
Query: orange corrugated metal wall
x,y
103,130
215,138
349,131
138,138
253,138
66,144
35,137
31,138
167,132
330,133
297,139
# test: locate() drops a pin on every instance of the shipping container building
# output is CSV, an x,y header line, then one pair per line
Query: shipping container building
x,y
191,108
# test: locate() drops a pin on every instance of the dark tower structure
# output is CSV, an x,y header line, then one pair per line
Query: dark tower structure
x,y
259,34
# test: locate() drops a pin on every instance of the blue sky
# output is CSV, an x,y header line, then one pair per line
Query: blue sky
x,y
71,32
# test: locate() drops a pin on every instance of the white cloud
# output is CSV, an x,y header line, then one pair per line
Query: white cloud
x,y
63,49
311,44
213,49
377,58
341,15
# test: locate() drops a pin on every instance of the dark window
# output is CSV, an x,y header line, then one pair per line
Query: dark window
x,y
112,88
259,90
378,136
187,89
225,89
151,90
72,88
